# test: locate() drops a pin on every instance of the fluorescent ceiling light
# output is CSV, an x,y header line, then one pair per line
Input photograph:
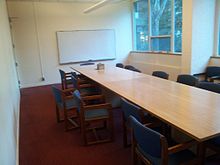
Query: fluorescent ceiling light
x,y
96,6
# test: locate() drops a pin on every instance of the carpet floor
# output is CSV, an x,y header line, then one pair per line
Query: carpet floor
x,y
43,141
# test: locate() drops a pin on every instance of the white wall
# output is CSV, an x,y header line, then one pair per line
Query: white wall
x,y
9,94
202,34
35,25
148,62
198,35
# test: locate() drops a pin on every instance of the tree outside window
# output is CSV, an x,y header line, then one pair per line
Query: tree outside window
x,y
141,24
158,32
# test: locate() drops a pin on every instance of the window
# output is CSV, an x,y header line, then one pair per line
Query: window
x,y
217,30
158,25
141,22
219,41
178,26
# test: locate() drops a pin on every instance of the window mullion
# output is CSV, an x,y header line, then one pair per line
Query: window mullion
x,y
172,40
216,36
134,41
149,25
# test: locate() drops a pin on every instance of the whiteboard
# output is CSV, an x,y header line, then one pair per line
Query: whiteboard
x,y
86,45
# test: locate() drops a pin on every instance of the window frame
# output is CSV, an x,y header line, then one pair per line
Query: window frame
x,y
171,35
217,30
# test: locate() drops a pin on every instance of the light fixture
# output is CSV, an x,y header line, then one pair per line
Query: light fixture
x,y
96,6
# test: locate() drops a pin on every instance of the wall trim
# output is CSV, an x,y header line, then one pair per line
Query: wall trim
x,y
162,53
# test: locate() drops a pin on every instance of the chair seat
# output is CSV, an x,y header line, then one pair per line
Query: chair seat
x,y
89,91
174,159
97,113
71,103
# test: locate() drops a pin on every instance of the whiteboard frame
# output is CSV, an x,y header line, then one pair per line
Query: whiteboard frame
x,y
106,59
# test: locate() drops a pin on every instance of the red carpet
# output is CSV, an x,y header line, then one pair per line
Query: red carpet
x,y
44,142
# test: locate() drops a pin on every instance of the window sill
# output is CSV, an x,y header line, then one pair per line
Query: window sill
x,y
164,53
215,57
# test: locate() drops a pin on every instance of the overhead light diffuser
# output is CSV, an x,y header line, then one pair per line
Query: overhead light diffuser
x,y
96,6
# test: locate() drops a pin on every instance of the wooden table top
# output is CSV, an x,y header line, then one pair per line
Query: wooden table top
x,y
193,111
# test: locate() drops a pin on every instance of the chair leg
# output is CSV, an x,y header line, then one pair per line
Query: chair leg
x,y
66,120
83,132
58,115
201,150
133,150
111,125
125,140
62,83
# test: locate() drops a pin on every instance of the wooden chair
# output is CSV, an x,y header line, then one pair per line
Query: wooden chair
x,y
92,115
136,70
84,86
187,79
130,109
151,147
129,67
214,143
210,86
212,73
160,74
120,65
66,103
65,79
132,68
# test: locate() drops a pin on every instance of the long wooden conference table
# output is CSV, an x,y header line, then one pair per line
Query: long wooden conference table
x,y
193,111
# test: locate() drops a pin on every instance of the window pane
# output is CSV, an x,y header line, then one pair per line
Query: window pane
x,y
178,26
161,17
160,44
141,24
219,40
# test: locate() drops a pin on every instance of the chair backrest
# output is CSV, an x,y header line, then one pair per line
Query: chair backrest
x,y
74,79
210,86
212,71
120,65
187,79
136,70
129,67
57,94
130,109
62,74
160,74
148,140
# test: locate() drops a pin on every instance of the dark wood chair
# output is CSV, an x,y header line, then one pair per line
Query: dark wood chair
x,y
136,70
212,73
92,116
120,65
130,109
66,104
160,74
129,67
213,143
187,79
151,147
85,86
210,86
132,68
65,79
